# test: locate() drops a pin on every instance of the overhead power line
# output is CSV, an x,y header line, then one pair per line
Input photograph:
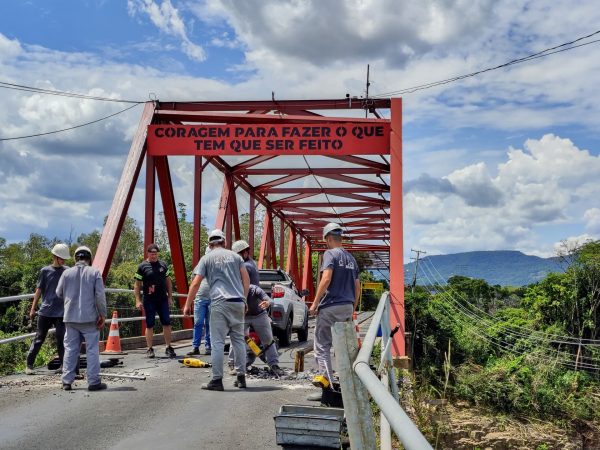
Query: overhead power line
x,y
547,52
483,316
70,128
35,90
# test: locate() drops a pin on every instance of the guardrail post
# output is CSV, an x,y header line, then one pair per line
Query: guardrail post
x,y
385,432
356,400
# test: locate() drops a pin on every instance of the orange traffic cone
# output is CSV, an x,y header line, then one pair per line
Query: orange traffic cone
x,y
113,343
357,328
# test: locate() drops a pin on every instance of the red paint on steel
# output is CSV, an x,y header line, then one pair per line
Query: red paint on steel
x,y
284,106
396,231
282,241
196,244
150,197
173,233
251,219
122,199
307,273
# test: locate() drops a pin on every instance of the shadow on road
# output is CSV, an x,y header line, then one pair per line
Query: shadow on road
x,y
122,388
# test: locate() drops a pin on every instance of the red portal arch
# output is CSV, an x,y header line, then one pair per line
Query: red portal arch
x,y
304,168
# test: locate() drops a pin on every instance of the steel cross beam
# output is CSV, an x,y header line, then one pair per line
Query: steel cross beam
x,y
283,106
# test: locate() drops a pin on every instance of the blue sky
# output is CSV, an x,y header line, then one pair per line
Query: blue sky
x,y
506,160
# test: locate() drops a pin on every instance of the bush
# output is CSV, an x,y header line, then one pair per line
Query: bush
x,y
13,355
527,386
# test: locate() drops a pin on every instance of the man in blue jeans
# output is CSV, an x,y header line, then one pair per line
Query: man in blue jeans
x,y
202,317
201,320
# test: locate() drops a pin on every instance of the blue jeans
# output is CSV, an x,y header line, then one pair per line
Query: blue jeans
x,y
201,320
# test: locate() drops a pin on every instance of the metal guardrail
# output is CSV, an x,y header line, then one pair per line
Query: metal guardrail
x,y
14,298
23,337
359,423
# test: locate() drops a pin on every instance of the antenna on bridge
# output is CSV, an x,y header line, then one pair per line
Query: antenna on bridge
x,y
367,93
418,252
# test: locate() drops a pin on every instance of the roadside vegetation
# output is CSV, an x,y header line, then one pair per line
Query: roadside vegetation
x,y
531,352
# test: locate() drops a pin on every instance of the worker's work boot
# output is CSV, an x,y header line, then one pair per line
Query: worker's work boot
x,y
170,352
216,384
29,370
150,353
97,387
277,371
240,381
66,387
195,351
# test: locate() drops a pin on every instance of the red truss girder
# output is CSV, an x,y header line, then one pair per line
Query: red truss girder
x,y
359,191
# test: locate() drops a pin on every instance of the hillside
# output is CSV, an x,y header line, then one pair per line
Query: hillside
x,y
503,267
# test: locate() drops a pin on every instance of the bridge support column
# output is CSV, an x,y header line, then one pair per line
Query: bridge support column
x,y
396,230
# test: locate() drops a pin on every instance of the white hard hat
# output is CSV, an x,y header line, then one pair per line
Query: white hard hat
x,y
61,251
81,251
216,235
240,246
332,227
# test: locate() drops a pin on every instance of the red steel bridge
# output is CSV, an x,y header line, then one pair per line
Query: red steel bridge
x,y
306,169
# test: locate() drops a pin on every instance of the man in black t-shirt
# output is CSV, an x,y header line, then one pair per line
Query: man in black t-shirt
x,y
152,277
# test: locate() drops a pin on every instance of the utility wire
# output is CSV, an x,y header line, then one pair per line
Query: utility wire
x,y
22,87
541,54
527,332
476,329
70,128
478,321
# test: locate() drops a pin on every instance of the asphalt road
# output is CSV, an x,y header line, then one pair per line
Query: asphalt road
x,y
168,409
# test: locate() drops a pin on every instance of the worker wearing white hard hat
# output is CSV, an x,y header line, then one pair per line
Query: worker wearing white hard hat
x,y
242,248
336,297
256,316
51,310
82,288
229,282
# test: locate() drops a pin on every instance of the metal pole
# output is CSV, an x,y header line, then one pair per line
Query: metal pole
x,y
385,432
14,298
403,427
356,400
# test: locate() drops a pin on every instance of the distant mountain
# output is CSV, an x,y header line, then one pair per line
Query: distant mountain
x,y
503,267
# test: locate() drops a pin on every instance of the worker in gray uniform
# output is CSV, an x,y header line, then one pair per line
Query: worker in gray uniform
x,y
336,297
258,318
52,309
242,248
82,289
228,281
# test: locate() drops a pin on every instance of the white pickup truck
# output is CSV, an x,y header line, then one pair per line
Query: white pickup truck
x,y
289,313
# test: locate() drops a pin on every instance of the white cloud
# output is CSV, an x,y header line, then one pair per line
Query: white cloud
x,y
571,242
9,48
540,184
592,220
168,20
